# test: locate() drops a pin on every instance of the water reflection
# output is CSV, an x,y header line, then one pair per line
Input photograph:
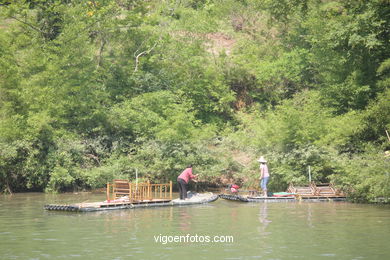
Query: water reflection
x,y
184,220
298,231
234,215
263,218
309,216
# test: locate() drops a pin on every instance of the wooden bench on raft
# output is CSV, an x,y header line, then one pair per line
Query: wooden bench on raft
x,y
315,190
123,189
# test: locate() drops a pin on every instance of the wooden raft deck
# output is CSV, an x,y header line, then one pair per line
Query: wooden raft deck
x,y
122,194
311,193
245,198
240,198
104,206
98,206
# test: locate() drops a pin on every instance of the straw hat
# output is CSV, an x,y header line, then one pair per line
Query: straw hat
x,y
262,160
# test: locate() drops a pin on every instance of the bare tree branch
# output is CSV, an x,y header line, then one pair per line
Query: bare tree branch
x,y
140,54
94,157
99,58
28,24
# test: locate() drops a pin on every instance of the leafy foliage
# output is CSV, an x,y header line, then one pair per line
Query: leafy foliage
x,y
96,90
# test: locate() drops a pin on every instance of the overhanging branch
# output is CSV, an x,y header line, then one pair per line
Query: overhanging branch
x,y
28,24
140,54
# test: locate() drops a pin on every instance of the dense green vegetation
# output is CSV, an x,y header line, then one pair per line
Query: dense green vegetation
x,y
95,90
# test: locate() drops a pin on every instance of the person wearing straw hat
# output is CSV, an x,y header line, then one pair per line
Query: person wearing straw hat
x,y
264,175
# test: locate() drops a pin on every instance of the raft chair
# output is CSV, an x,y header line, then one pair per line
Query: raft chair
x,y
121,188
324,190
303,191
327,190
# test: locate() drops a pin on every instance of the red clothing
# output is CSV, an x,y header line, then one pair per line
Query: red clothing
x,y
186,175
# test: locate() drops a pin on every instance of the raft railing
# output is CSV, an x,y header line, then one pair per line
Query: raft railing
x,y
123,189
302,190
313,189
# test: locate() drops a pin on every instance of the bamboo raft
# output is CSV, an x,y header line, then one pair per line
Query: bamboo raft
x,y
240,198
122,194
311,193
243,198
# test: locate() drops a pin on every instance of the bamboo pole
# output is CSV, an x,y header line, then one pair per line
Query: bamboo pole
x,y
170,190
108,192
149,190
388,136
131,197
114,190
136,179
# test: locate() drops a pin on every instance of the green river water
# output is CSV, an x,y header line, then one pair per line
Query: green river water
x,y
286,230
